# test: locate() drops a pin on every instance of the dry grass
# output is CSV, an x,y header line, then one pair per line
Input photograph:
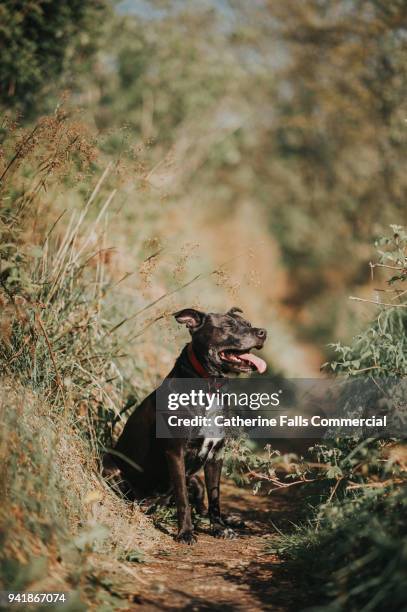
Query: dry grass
x,y
62,375
56,510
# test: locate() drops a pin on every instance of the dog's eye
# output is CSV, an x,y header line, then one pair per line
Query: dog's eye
x,y
249,324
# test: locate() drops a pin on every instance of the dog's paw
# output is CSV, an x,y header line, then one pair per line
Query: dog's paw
x,y
186,537
220,531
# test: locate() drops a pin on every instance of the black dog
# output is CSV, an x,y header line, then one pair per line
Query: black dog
x,y
220,345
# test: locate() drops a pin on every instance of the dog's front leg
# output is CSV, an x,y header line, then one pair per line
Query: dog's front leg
x,y
176,467
213,470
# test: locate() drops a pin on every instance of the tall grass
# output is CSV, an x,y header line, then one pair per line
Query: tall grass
x,y
67,357
62,380
57,322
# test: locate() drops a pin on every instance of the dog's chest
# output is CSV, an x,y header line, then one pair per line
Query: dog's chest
x,y
211,448
210,441
201,450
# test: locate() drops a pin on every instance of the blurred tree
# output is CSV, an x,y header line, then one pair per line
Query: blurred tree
x,y
39,39
339,131
164,72
296,107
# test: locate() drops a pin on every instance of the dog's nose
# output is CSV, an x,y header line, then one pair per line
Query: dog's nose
x,y
261,333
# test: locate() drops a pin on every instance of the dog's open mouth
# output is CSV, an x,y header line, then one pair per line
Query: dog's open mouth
x,y
243,360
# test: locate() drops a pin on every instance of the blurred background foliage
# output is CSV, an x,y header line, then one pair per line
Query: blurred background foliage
x,y
40,40
288,118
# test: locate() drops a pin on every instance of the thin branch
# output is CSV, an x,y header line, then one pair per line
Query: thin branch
x,y
357,299
278,483
379,265
17,153
334,489
51,352
173,291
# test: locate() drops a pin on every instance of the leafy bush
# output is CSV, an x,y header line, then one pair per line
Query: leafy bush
x,y
382,348
38,40
352,553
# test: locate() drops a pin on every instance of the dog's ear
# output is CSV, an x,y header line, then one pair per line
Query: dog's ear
x,y
190,317
233,311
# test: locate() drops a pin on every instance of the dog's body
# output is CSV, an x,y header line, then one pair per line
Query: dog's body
x,y
220,344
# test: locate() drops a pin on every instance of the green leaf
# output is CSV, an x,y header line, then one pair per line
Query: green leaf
x,y
334,472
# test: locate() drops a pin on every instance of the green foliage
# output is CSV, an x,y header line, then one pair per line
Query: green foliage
x,y
352,552
39,40
244,464
382,347
297,111
215,99
51,290
38,502
158,78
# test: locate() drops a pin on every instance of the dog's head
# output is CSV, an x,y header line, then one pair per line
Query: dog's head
x,y
222,342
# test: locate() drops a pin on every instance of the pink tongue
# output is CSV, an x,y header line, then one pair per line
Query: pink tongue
x,y
258,363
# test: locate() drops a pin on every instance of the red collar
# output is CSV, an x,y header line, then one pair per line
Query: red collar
x,y
197,365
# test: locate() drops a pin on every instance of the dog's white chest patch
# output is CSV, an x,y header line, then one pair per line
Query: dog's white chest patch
x,y
213,436
210,448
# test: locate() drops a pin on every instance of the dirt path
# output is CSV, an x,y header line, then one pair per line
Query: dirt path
x,y
224,575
